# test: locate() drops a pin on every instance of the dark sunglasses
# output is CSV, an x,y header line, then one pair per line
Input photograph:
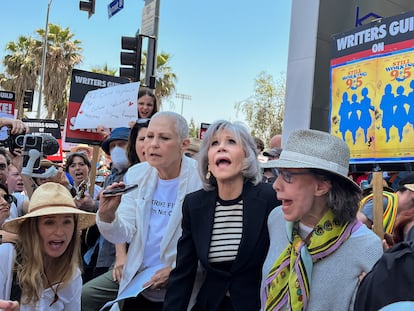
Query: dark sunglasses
x,y
269,180
8,198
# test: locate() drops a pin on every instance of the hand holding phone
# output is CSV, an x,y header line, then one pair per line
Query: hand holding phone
x,y
119,190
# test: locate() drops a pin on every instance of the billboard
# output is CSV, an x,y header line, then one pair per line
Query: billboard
x,y
81,83
372,90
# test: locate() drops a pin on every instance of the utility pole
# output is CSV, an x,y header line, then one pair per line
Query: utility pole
x,y
42,69
183,97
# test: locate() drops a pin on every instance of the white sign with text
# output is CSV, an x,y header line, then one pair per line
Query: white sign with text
x,y
110,107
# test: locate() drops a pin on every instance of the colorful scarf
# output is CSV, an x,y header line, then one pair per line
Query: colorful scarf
x,y
287,283
390,213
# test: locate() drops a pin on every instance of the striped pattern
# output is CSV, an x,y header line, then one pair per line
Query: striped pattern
x,y
227,232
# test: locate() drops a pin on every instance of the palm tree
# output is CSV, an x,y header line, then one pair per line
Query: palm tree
x,y
165,78
62,56
105,70
21,69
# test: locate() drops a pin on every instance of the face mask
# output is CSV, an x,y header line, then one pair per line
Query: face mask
x,y
119,158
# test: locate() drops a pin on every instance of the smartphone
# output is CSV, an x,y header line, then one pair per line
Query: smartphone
x,y
32,142
119,191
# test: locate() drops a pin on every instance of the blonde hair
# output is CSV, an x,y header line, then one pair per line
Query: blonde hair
x,y
30,270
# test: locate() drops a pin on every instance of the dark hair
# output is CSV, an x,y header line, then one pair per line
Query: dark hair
x,y
403,219
131,152
147,91
71,158
343,199
3,152
259,143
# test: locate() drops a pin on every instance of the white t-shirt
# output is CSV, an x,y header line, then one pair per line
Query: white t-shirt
x,y
163,202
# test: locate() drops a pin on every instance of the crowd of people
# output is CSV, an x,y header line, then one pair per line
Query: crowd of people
x,y
218,224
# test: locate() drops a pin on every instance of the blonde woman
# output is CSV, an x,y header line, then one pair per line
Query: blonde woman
x,y
46,274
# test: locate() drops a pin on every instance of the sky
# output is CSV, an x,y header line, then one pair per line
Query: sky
x,y
217,48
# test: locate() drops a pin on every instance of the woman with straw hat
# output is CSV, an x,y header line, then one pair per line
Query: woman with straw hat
x,y
318,249
46,274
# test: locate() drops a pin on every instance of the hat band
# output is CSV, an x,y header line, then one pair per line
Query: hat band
x,y
48,205
314,162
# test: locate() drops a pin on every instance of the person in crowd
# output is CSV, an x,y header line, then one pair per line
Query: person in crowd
x,y
78,166
224,225
317,246
193,147
83,148
276,141
393,204
15,187
101,253
149,217
259,145
6,200
104,288
147,103
4,165
46,265
391,280
135,148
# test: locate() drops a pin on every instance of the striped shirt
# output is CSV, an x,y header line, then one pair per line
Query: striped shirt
x,y
227,231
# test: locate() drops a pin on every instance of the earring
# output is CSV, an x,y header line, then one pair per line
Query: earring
x,y
208,175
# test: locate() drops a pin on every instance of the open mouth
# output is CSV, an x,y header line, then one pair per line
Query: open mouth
x,y
223,162
56,245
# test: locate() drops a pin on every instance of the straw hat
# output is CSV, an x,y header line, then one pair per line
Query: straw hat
x,y
51,199
317,150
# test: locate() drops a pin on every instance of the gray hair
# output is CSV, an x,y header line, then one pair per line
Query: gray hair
x,y
179,121
342,199
250,169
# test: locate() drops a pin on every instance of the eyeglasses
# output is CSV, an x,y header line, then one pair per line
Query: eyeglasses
x,y
8,198
3,166
269,180
287,176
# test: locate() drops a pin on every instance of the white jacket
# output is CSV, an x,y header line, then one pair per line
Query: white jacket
x,y
132,218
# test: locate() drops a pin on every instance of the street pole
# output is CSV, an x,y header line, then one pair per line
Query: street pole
x,y
152,48
183,97
42,68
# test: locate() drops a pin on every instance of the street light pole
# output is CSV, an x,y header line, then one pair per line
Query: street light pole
x,y
42,68
182,97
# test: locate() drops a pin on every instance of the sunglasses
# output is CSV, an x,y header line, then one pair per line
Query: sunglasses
x,y
8,198
288,176
269,180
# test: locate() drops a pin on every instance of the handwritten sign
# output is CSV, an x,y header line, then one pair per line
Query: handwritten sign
x,y
111,107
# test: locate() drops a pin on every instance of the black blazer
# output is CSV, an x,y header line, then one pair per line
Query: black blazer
x,y
243,280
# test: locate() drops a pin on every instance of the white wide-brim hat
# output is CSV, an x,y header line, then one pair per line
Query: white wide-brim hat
x,y
51,199
316,150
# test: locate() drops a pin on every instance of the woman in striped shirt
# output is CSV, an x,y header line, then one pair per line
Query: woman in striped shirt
x,y
224,225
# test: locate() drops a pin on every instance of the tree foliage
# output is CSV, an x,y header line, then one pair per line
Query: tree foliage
x,y
264,110
193,129
23,63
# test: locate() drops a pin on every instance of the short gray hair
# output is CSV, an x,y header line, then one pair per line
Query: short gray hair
x,y
251,170
179,121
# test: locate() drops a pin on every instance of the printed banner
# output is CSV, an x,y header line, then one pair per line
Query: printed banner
x,y
372,90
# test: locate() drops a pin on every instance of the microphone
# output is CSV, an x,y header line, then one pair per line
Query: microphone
x,y
50,144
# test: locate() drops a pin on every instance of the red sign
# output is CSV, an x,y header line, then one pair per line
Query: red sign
x,y
81,83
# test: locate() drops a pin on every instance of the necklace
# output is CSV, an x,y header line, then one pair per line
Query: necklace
x,y
54,290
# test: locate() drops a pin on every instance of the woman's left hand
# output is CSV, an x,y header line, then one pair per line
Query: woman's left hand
x,y
159,279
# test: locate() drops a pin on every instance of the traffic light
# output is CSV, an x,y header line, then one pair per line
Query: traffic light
x,y
28,99
88,6
132,58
